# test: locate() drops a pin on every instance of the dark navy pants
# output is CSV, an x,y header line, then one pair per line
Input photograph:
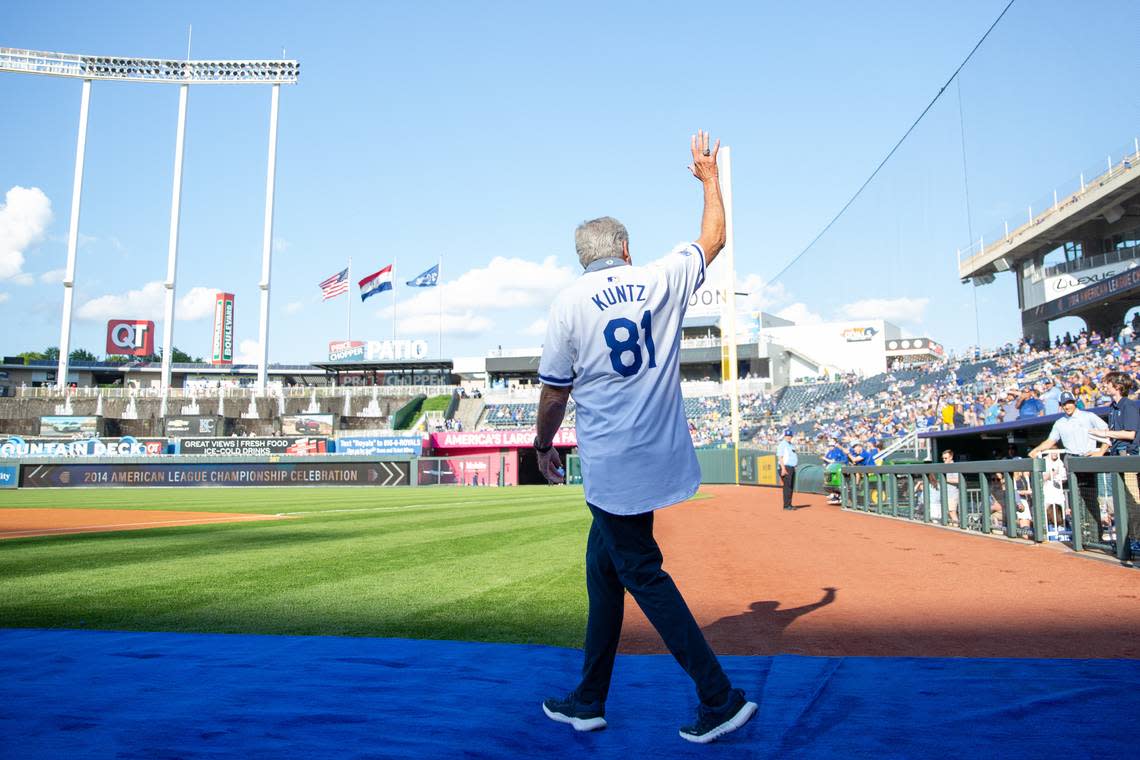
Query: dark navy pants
x,y
789,483
622,554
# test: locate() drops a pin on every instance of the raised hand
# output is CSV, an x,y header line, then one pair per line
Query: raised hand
x,y
704,159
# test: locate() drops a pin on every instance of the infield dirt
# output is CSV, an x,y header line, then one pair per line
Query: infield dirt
x,y
757,579
23,523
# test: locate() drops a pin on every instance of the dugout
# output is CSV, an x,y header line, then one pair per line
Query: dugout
x,y
990,442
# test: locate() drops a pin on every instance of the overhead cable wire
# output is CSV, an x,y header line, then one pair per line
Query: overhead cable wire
x,y
898,144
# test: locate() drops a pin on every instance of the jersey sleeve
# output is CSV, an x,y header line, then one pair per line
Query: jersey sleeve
x,y
1055,431
1098,423
556,367
685,268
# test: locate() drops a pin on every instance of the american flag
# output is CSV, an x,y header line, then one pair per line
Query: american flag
x,y
335,285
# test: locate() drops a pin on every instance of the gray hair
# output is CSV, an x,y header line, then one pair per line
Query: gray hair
x,y
599,239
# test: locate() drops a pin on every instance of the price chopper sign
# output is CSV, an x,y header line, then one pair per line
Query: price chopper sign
x,y
223,346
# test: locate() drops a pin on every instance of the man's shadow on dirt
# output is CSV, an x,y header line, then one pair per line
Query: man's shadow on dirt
x,y
761,629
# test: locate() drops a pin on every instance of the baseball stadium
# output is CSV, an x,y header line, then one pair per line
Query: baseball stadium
x,y
916,531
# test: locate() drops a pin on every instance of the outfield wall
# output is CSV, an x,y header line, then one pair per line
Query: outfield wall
x,y
499,468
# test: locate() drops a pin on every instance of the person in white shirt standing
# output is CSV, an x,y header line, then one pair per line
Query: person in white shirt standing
x,y
614,338
788,459
1073,431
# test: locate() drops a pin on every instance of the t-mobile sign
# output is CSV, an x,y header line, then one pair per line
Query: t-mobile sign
x,y
132,337
223,347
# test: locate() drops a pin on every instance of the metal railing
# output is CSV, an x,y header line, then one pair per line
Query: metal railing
x,y
1122,499
966,497
1118,256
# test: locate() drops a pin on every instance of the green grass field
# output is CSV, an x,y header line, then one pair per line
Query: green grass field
x,y
449,563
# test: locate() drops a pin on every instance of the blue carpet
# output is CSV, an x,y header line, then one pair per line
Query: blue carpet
x,y
159,695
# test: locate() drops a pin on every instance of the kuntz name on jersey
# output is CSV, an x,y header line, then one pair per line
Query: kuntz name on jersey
x,y
612,296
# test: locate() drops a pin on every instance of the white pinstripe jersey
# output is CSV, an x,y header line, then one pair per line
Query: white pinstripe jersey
x,y
614,337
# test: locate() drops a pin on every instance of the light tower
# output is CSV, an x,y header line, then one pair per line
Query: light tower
x,y
183,74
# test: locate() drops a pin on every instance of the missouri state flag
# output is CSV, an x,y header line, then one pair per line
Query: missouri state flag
x,y
375,283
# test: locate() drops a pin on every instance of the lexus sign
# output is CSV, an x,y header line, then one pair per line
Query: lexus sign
x,y
132,337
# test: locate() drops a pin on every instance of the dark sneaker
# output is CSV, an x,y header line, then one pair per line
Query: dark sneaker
x,y
583,716
713,724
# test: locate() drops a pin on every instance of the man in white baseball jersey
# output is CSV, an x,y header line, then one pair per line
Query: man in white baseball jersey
x,y
614,337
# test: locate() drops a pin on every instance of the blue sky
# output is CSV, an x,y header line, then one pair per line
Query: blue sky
x,y
483,133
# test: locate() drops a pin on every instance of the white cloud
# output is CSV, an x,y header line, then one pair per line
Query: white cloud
x,y
762,296
24,217
280,245
505,283
4,297
53,277
538,327
249,352
502,284
198,303
800,314
295,306
145,303
24,278
148,302
904,310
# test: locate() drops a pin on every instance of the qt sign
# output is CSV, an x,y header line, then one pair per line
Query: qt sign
x,y
132,337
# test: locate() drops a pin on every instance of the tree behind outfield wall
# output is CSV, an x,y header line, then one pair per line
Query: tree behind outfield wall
x,y
177,355
82,355
48,354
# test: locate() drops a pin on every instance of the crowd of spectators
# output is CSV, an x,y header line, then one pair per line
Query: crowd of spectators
x,y
1016,381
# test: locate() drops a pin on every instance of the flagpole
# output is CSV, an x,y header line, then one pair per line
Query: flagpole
x,y
393,299
439,286
349,294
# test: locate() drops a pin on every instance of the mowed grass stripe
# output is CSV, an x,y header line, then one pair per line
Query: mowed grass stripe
x,y
274,500
86,552
507,567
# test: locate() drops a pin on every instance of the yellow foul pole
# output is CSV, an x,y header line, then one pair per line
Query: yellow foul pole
x,y
728,309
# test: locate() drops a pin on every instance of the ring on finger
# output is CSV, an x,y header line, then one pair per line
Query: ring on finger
x,y
708,152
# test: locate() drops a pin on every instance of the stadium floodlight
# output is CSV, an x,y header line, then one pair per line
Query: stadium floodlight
x,y
183,73
148,69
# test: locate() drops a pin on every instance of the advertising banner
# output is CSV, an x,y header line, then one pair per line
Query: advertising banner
x,y
1062,284
377,350
130,337
72,427
477,470
396,444
347,350
1111,287
308,424
497,439
253,447
9,475
766,470
222,351
15,447
375,474
191,425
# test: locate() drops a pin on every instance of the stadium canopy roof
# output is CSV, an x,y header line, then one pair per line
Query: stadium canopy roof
x,y
406,366
1103,196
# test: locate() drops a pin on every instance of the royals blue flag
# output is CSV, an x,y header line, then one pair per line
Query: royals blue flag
x,y
428,279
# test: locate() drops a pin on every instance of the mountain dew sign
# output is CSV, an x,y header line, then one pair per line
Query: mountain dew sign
x,y
223,346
